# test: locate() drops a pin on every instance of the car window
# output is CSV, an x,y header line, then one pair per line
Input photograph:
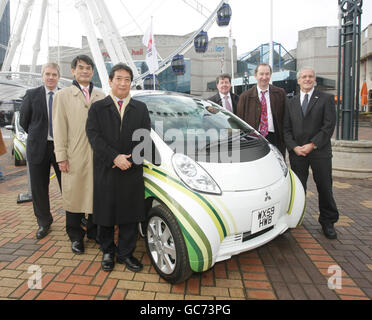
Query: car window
x,y
189,114
195,126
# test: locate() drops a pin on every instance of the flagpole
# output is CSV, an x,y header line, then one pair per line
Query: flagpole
x,y
232,58
152,31
271,55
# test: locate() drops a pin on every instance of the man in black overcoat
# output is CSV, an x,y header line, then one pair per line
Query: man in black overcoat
x,y
224,97
36,120
309,122
119,190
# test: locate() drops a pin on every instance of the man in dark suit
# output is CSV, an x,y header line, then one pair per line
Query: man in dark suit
x,y
224,97
309,123
36,120
118,173
262,107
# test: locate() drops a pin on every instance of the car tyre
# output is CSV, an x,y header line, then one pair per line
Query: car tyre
x,y
166,246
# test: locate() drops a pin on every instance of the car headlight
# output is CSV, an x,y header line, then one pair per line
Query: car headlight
x,y
22,136
193,175
280,158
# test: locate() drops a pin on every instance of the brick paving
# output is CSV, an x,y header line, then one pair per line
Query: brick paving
x,y
298,265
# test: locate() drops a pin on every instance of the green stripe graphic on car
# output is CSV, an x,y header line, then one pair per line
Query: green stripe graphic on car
x,y
292,196
217,217
198,246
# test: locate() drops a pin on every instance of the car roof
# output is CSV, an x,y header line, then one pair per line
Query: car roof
x,y
141,93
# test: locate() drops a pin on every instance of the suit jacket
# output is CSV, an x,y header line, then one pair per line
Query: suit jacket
x,y
249,109
119,195
316,126
234,98
34,120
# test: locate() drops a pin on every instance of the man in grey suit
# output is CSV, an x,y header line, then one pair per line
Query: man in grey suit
x,y
224,97
309,122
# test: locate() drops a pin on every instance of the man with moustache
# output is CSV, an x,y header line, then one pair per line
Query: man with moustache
x,y
73,152
119,192
36,119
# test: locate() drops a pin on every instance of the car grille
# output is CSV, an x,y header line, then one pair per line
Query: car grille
x,y
248,236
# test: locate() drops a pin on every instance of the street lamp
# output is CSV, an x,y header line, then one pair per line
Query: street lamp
x,y
246,80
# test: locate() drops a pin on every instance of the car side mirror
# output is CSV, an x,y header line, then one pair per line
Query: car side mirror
x,y
10,127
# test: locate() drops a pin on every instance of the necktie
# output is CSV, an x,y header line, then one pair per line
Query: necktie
x,y
120,103
86,92
264,123
227,104
50,104
305,103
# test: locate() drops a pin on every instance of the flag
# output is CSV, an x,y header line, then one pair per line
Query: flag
x,y
151,55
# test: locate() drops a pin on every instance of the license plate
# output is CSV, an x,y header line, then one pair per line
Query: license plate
x,y
264,218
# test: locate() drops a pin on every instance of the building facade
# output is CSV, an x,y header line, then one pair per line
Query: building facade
x,y
201,68
366,63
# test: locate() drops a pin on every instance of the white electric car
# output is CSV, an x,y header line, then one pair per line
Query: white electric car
x,y
214,186
19,140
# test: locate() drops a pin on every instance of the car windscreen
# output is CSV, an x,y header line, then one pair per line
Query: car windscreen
x,y
195,126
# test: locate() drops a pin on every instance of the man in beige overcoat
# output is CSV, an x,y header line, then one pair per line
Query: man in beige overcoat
x,y
73,151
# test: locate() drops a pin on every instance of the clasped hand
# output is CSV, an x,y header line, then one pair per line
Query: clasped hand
x,y
121,161
304,150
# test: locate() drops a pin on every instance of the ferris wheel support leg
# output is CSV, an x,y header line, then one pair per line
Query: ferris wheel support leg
x,y
118,41
36,46
82,8
3,4
101,25
16,37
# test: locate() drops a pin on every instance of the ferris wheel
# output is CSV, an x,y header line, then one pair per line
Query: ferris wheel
x,y
95,16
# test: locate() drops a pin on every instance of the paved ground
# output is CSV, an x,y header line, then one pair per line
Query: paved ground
x,y
297,265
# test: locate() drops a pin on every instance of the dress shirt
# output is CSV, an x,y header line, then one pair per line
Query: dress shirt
x,y
222,96
269,113
123,106
302,95
47,104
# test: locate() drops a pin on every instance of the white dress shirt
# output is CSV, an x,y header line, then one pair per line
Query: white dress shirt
x,y
222,96
302,95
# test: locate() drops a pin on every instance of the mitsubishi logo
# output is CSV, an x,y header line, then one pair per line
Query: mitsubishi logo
x,y
267,197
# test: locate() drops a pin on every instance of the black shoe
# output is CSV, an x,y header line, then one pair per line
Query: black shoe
x,y
329,231
132,263
108,262
77,247
42,232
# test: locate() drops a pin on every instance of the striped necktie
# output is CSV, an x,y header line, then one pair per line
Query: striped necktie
x,y
120,103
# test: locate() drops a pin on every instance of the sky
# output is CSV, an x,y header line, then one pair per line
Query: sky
x,y
250,21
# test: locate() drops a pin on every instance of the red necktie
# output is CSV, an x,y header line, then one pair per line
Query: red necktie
x,y
120,103
264,123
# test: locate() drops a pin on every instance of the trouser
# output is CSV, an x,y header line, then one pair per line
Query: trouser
x,y
74,229
322,175
40,177
126,241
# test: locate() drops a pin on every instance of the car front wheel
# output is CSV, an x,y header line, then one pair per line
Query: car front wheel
x,y
166,246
